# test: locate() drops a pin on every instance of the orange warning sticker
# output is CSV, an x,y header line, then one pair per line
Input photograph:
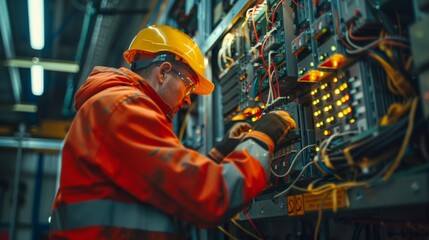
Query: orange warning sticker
x,y
295,205
298,204
312,202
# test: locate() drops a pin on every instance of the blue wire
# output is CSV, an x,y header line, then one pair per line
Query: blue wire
x,y
254,87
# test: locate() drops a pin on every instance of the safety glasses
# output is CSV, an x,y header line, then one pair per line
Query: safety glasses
x,y
190,85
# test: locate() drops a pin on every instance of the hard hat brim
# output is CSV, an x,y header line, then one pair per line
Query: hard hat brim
x,y
204,86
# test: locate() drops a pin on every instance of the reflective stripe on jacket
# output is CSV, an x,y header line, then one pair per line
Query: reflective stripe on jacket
x,y
109,213
125,175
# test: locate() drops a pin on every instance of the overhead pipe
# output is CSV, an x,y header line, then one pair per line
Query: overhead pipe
x,y
15,187
101,29
80,49
9,50
100,39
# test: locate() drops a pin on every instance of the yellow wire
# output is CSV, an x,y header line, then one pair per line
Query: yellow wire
x,y
395,112
391,87
244,29
253,21
409,63
227,233
185,120
319,216
245,230
300,189
387,50
405,142
390,73
371,162
334,189
330,186
326,189
230,59
266,14
398,80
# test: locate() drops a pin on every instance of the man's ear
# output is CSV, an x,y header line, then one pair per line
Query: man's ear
x,y
163,69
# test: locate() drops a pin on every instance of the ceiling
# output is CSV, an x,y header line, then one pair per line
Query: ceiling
x,y
83,33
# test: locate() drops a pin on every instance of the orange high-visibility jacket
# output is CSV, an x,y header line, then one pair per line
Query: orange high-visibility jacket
x,y
125,175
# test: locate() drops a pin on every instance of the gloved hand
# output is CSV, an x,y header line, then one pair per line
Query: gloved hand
x,y
275,124
232,138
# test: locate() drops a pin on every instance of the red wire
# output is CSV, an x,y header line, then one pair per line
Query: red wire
x,y
359,38
294,1
254,25
261,52
274,90
253,225
392,42
261,97
337,29
271,84
274,13
260,87
277,80
250,82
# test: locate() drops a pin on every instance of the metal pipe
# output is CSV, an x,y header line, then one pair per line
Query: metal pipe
x,y
101,39
31,143
15,189
36,198
78,58
6,34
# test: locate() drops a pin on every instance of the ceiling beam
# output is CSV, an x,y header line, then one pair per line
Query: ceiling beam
x,y
6,34
47,64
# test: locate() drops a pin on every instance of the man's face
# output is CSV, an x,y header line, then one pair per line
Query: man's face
x,y
177,87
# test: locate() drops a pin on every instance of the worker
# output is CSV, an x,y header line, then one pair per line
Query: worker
x,y
126,175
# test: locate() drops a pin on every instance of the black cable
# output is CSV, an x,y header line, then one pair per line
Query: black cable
x,y
374,145
389,27
367,231
382,18
357,231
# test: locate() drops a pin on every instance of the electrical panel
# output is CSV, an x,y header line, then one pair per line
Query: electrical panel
x,y
358,160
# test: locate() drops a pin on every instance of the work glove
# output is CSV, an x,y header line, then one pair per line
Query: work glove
x,y
275,124
232,138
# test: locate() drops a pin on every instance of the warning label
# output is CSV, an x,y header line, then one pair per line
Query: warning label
x,y
295,205
312,202
299,204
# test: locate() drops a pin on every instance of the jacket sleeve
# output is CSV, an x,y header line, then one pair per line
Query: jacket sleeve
x,y
147,160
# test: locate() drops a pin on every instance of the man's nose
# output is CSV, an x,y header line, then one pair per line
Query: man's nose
x,y
186,101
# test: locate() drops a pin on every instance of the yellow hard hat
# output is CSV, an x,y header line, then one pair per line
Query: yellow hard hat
x,y
160,38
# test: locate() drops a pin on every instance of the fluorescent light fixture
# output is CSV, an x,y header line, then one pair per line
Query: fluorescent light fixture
x,y
24,108
19,107
48,64
37,80
36,17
